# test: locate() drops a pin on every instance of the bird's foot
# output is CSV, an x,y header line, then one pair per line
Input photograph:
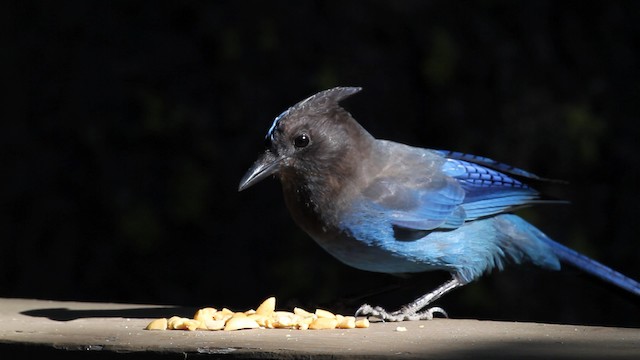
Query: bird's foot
x,y
400,315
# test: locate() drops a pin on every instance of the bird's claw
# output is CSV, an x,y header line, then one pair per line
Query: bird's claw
x,y
400,315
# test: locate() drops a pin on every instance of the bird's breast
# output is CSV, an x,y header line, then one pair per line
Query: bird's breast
x,y
310,209
358,242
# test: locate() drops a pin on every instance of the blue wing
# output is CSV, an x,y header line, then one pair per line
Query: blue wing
x,y
488,192
428,190
490,163
425,207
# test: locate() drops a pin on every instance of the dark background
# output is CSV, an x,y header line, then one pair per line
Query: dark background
x,y
128,124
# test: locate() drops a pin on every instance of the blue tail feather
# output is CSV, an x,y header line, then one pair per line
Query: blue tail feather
x,y
593,267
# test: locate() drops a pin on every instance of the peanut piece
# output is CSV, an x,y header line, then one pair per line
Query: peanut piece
x,y
191,325
302,312
205,313
237,323
270,323
267,307
308,320
179,323
220,315
260,319
157,324
348,322
286,319
322,323
173,321
214,324
325,314
362,323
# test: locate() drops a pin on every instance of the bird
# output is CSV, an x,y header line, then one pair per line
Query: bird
x,y
383,206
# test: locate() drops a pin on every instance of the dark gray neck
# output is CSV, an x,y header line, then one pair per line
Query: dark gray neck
x,y
317,195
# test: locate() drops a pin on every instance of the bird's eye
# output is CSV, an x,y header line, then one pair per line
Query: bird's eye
x,y
301,141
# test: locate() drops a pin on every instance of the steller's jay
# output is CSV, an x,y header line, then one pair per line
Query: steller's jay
x,y
387,207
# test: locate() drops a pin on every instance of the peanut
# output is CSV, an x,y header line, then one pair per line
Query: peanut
x,y
205,313
362,323
267,307
260,319
322,323
173,321
180,323
286,319
191,325
302,312
220,315
348,322
237,323
211,324
325,314
157,324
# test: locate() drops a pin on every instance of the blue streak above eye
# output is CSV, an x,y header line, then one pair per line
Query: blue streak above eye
x,y
275,124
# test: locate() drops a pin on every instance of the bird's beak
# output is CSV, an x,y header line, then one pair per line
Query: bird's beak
x,y
266,165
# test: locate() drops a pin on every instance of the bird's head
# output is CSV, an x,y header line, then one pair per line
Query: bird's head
x,y
310,138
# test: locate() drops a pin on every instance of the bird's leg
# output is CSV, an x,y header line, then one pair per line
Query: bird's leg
x,y
411,310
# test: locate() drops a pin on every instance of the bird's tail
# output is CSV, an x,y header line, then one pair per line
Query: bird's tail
x,y
592,267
